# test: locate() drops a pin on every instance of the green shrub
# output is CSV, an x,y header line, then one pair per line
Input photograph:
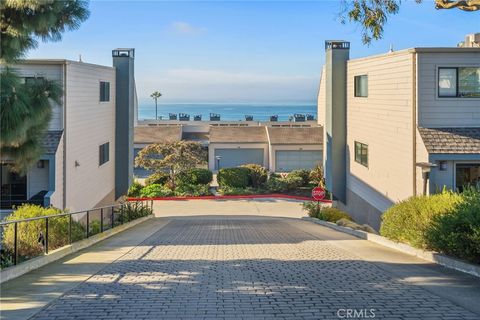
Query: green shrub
x,y
157,178
317,177
192,190
457,233
316,210
258,175
134,210
29,232
333,214
277,184
283,184
408,220
312,208
195,176
134,190
233,177
156,190
302,174
230,191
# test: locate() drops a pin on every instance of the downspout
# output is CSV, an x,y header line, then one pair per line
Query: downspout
x,y
414,120
64,162
269,153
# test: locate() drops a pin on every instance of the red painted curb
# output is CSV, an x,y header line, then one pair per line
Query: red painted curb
x,y
254,196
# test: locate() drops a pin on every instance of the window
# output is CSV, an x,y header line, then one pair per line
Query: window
x,y
104,153
467,174
34,80
461,82
104,91
361,153
361,86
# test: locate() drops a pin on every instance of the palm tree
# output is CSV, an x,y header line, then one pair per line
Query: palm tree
x,y
155,97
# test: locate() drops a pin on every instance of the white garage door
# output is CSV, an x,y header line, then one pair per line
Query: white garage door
x,y
286,161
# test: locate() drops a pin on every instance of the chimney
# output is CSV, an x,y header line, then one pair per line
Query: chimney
x,y
335,143
123,61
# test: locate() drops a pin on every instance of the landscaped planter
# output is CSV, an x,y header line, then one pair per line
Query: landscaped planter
x,y
253,196
431,256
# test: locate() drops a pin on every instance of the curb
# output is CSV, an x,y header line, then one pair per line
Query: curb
x,y
435,257
35,263
254,196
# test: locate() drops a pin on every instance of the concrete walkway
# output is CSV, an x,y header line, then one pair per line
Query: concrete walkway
x,y
238,265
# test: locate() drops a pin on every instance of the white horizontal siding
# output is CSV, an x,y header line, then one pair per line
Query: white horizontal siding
x,y
383,121
444,112
90,123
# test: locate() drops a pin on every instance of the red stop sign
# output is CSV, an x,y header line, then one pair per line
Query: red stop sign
x,y
318,193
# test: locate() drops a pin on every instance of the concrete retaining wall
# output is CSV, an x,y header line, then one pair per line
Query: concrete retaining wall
x,y
431,256
35,263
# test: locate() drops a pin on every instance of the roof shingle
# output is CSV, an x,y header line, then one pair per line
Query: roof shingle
x,y
312,135
451,140
154,134
238,135
51,140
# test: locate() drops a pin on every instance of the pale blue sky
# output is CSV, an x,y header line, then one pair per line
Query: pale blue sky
x,y
245,51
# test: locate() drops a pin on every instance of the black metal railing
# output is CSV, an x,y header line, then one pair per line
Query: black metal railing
x,y
25,239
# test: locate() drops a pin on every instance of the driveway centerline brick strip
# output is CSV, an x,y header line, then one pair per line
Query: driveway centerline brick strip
x,y
248,268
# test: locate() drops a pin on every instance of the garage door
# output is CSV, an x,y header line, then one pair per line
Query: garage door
x,y
236,157
286,161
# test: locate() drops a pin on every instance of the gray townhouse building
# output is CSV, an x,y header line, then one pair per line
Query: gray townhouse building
x,y
398,124
89,143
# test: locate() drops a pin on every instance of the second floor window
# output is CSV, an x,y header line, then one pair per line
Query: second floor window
x,y
461,82
361,86
34,80
361,153
104,153
104,91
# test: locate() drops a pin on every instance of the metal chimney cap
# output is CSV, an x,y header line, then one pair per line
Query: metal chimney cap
x,y
337,44
123,52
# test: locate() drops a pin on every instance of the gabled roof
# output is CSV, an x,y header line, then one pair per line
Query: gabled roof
x,y
51,141
451,140
157,134
238,135
312,135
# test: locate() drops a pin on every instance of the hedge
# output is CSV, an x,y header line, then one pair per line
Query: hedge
x,y
408,220
156,190
195,176
233,177
157,178
457,233
258,175
303,174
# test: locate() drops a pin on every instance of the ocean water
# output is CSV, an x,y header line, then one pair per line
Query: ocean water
x,y
228,111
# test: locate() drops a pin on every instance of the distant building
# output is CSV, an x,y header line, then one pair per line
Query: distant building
x,y
87,138
279,147
391,118
471,41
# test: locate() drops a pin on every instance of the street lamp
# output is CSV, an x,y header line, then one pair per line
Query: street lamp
x,y
218,158
426,169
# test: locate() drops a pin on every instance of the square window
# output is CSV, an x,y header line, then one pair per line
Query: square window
x,y
361,86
